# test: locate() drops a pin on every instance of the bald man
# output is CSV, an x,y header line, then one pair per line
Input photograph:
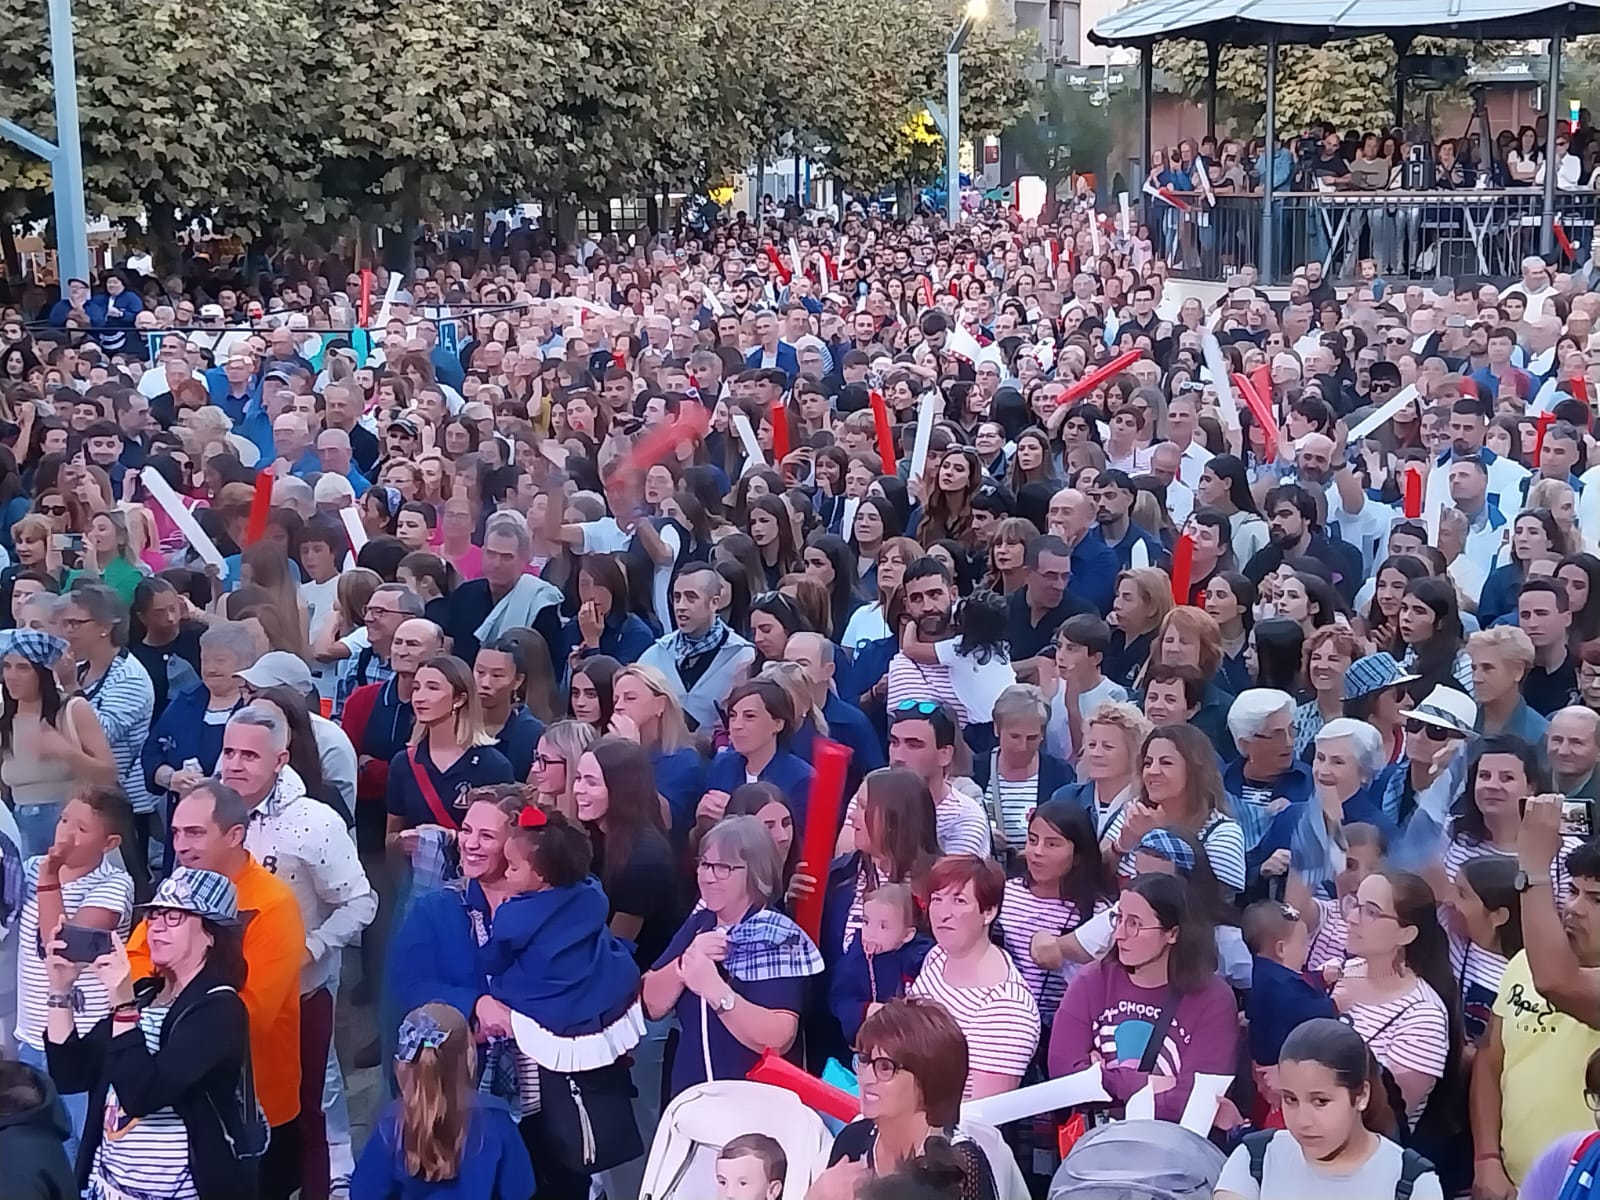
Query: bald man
x,y
847,724
1094,564
1573,743
336,458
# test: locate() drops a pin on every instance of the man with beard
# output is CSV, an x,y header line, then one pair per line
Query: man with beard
x,y
930,596
1468,424
1113,495
1292,519
1528,1085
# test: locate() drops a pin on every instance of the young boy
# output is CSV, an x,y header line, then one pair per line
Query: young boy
x,y
1081,645
882,961
751,1167
1279,998
72,881
320,545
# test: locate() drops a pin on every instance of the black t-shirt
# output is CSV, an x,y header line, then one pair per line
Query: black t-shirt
x,y
1547,692
1329,168
157,660
646,887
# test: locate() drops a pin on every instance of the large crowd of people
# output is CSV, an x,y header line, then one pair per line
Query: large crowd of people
x,y
467,663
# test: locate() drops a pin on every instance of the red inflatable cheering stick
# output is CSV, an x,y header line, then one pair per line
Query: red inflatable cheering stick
x,y
830,761
1413,493
260,508
880,421
772,1069
690,426
1261,409
1102,375
1182,569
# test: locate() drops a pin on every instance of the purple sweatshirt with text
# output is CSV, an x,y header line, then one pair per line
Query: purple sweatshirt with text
x,y
1104,1013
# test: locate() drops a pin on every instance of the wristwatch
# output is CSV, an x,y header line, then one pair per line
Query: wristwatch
x,y
1522,881
727,1002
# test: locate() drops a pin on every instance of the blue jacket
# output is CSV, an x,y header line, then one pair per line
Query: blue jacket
x,y
870,664
854,986
790,775
623,637
787,360
434,956
1278,1001
1094,572
848,726
494,1161
551,957
680,778
181,733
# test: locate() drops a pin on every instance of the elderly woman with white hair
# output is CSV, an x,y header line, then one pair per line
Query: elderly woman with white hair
x,y
1266,781
1347,756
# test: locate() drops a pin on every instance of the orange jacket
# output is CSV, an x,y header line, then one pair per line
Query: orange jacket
x,y
274,951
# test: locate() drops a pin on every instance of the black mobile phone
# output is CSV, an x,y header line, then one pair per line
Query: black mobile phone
x,y
83,944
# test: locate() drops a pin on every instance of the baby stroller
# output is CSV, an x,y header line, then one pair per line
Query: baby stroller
x,y
1138,1160
695,1126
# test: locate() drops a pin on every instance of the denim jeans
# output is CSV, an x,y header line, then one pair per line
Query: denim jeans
x,y
37,825
77,1105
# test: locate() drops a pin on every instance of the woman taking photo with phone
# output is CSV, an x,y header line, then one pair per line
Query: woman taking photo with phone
x,y
167,1070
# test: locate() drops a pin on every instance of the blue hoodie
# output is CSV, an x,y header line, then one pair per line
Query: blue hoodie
x,y
552,958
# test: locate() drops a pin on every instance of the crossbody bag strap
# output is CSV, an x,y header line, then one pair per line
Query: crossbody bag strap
x,y
1158,1035
429,792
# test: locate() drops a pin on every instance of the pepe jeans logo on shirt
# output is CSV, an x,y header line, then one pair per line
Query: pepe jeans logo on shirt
x,y
1538,1009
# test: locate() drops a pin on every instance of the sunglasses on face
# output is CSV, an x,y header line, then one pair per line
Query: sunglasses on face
x,y
1437,733
53,510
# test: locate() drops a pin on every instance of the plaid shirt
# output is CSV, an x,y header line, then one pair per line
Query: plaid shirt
x,y
124,700
366,667
767,945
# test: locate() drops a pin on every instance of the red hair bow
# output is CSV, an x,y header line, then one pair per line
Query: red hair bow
x,y
532,818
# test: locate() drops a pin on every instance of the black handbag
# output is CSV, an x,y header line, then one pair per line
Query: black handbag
x,y
588,1117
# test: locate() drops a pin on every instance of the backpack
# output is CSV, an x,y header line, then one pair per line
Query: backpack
x,y
1580,1183
1412,1165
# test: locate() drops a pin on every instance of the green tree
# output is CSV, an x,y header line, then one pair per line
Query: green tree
x,y
180,111
1069,130
1350,83
872,69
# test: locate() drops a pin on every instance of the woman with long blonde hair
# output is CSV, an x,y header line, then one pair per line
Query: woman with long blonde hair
x,y
439,1136
555,764
646,710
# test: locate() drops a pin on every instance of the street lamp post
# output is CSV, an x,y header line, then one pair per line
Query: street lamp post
x,y
952,86
65,154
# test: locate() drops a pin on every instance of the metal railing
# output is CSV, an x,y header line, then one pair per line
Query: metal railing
x,y
1410,235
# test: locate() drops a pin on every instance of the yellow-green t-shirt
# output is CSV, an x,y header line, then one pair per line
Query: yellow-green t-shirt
x,y
1541,1083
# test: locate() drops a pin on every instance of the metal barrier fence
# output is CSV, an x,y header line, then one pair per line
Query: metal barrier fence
x,y
1410,235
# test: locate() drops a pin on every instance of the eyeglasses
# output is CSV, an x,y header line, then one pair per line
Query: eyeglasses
x,y
1434,733
720,871
546,760
1130,925
883,1069
371,612
1353,909
165,918
53,510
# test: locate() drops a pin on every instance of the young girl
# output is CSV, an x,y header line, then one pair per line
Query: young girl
x,y
1339,1122
978,656
442,1139
571,984
1063,883
1485,927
